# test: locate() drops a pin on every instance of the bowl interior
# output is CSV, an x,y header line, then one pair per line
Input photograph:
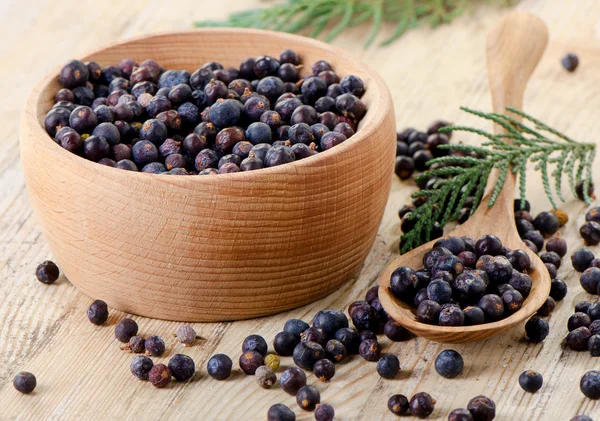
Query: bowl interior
x,y
230,46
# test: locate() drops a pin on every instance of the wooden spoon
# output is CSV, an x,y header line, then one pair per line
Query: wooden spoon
x,y
514,47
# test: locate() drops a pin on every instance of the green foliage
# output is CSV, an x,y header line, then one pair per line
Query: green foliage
x,y
469,170
337,15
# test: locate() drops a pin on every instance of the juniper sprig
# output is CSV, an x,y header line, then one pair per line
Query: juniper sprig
x,y
467,173
316,16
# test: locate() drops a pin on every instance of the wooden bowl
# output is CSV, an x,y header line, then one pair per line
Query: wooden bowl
x,y
213,248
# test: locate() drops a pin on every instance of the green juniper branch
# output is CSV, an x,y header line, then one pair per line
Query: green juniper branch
x,y
467,174
300,15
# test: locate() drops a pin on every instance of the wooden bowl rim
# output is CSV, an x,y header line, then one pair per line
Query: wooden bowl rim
x,y
530,306
374,117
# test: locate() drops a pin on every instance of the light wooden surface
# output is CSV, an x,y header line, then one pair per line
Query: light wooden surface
x,y
81,372
213,249
514,48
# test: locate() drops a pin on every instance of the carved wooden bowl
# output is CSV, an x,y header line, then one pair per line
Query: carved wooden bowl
x,y
213,248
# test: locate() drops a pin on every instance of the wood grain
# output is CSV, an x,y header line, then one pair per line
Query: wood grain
x,y
213,248
81,372
514,47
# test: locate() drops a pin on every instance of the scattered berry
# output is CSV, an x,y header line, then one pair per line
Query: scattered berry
x,y
421,405
159,375
24,382
291,380
219,366
140,367
398,404
47,272
97,312
531,381
125,329
308,397
449,364
265,377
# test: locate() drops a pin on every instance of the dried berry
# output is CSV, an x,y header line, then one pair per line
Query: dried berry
x,y
155,346
250,361
314,334
219,366
370,350
295,327
136,344
570,62
590,280
577,339
330,321
421,405
255,343
308,397
428,312
186,335
73,74
590,384
398,404
349,338
306,354
280,412
449,364
324,412
292,379
140,367
265,377
546,223
482,408
47,272
324,369
558,289
125,329
159,375
97,312
581,259
388,366
488,244
590,232
531,381
536,329
594,345
492,306
460,414
24,382
395,331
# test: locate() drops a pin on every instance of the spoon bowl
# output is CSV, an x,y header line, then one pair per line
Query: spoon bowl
x,y
514,47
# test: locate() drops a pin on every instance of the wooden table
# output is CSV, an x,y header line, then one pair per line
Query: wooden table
x,y
81,372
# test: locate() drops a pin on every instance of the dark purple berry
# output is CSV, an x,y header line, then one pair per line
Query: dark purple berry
x,y
255,343
349,338
154,346
421,405
577,339
250,361
97,312
140,367
280,412
182,367
352,85
284,343
219,366
460,414
474,316
370,350
279,155
335,350
492,306
570,62
95,148
398,404
449,364
324,369
531,381
308,397
324,412
306,354
590,384
292,380
159,376
266,66
488,244
519,260
590,232
350,106
428,312
512,300
24,382
482,408
536,329
314,334
395,332
558,289
74,74
47,272
577,320
388,366
125,329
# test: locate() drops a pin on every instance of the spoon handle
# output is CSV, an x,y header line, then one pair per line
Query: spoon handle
x,y
513,49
